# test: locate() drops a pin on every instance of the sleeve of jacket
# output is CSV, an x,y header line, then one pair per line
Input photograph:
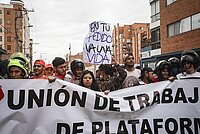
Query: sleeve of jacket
x,y
119,77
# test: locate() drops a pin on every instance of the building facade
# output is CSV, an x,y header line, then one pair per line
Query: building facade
x,y
130,39
180,26
150,53
14,28
175,27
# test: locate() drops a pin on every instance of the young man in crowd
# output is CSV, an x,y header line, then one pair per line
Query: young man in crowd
x,y
189,63
38,68
4,74
147,75
17,69
49,70
60,67
129,66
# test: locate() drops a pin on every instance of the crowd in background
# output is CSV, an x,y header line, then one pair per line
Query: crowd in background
x,y
108,77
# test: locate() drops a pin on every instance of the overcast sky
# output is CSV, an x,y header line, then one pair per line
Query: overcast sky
x,y
56,23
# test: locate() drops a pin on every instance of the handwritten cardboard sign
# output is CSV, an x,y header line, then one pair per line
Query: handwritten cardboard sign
x,y
97,46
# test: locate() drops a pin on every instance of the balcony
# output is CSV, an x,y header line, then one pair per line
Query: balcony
x,y
146,49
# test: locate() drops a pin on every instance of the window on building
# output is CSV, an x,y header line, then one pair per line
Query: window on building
x,y
155,38
0,38
185,25
196,21
8,21
0,21
8,47
1,30
155,35
174,29
0,11
170,2
8,30
155,11
128,40
8,39
8,12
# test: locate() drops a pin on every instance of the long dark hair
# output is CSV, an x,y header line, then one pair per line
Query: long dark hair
x,y
94,85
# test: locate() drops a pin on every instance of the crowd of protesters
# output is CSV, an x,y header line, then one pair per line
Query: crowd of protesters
x,y
109,77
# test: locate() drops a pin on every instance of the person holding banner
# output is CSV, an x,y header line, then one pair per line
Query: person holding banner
x,y
88,80
189,63
60,67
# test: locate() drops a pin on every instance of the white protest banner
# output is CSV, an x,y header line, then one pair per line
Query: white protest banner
x,y
97,46
39,107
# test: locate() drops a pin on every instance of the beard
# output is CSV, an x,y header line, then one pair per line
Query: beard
x,y
131,65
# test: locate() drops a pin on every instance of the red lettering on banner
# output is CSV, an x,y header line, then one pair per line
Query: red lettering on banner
x,y
1,93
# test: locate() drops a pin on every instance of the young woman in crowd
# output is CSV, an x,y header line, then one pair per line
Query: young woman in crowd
x,y
88,80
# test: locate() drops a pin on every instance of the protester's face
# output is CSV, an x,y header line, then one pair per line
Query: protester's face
x,y
130,61
165,73
38,69
150,76
49,71
87,80
16,73
188,67
79,72
61,69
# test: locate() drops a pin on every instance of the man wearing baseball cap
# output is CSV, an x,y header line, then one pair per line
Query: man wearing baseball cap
x,y
49,70
38,68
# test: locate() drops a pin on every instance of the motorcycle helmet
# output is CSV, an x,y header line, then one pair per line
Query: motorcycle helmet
x,y
77,64
190,56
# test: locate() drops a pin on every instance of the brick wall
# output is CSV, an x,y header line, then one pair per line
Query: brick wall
x,y
172,13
